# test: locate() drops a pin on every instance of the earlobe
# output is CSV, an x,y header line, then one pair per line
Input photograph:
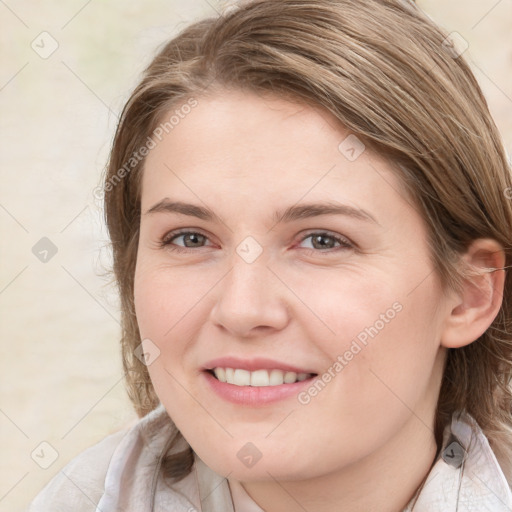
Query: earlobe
x,y
479,301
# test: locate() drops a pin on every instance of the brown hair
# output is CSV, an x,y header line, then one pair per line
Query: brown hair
x,y
385,70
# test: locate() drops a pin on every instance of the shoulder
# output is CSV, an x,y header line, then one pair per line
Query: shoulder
x,y
91,477
80,484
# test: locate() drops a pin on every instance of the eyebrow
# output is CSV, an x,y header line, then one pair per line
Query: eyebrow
x,y
290,214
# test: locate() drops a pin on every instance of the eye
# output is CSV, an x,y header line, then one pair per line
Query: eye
x,y
322,241
190,240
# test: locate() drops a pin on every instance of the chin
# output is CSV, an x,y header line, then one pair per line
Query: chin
x,y
248,464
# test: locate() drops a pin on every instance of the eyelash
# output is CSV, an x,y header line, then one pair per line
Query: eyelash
x,y
166,242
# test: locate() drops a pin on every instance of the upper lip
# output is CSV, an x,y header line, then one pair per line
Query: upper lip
x,y
254,364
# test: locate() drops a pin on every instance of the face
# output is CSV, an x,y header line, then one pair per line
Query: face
x,y
284,290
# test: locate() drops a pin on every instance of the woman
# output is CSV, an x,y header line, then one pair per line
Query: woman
x,y
309,214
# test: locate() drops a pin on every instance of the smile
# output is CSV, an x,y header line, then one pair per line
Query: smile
x,y
258,378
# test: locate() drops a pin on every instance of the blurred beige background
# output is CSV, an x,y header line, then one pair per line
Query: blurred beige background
x,y
67,68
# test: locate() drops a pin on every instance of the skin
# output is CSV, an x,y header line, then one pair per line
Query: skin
x,y
365,442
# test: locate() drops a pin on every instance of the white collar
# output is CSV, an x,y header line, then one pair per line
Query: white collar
x,y
466,476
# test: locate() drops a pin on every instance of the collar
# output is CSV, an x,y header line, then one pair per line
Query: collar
x,y
466,476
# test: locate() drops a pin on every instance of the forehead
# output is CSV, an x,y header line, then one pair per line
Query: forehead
x,y
246,146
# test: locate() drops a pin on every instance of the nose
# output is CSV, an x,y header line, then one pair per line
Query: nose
x,y
250,300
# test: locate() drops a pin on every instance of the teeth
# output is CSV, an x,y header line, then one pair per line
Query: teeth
x,y
242,378
276,378
220,373
258,378
290,377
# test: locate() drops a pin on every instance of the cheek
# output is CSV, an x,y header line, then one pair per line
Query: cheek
x,y
381,339
395,368
346,305
366,303
165,306
167,298
171,306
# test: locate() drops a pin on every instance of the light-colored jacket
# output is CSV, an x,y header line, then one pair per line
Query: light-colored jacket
x,y
123,473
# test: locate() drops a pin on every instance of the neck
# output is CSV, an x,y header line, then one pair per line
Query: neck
x,y
384,481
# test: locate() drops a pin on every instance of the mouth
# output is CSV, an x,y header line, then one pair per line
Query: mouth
x,y
258,378
256,382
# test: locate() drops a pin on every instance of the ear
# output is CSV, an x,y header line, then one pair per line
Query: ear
x,y
474,309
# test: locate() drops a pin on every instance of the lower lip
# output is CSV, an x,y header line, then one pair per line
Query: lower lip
x,y
255,395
